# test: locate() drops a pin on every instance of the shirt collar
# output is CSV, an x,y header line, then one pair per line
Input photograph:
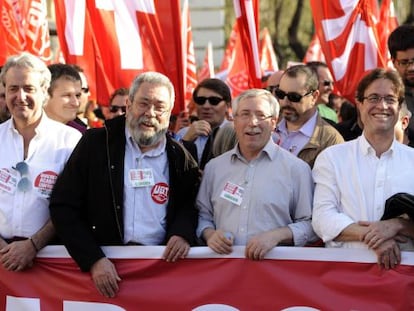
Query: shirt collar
x,y
269,150
41,128
307,128
368,149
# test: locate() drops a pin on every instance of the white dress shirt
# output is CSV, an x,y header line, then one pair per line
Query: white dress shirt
x,y
352,184
23,213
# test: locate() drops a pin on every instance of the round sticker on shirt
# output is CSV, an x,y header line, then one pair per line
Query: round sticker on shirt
x,y
159,193
44,183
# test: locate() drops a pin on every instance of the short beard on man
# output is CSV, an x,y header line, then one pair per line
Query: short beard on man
x,y
145,138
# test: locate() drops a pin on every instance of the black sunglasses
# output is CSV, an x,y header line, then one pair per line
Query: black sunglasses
x,y
114,109
292,96
213,100
327,83
85,89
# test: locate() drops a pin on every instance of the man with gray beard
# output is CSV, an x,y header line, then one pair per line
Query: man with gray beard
x,y
128,184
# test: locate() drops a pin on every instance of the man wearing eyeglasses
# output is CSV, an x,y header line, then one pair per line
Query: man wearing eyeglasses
x,y
212,98
34,149
325,87
302,131
401,47
257,194
354,179
128,183
117,102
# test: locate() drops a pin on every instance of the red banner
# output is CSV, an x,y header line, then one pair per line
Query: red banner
x,y
316,278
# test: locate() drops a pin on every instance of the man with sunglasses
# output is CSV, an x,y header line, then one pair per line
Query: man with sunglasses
x,y
34,149
325,87
302,131
401,47
117,102
354,179
257,194
128,183
212,98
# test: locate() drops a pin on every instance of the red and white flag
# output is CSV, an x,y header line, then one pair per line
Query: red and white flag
x,y
348,34
207,71
387,23
24,28
268,61
189,61
116,40
229,52
314,51
245,74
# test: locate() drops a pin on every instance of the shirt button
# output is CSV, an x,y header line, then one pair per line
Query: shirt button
x,y
118,207
112,167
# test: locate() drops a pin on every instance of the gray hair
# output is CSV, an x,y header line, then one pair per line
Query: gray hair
x,y
152,77
265,94
27,60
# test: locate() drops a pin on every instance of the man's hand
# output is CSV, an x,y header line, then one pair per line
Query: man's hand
x,y
217,241
197,128
105,277
17,255
388,254
379,231
176,248
259,245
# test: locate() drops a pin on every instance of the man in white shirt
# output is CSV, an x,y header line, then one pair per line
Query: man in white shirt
x,y
354,179
34,151
257,194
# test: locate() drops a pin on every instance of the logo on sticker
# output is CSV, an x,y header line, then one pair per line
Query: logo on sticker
x,y
45,181
159,193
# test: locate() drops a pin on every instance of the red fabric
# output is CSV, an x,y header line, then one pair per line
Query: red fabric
x,y
245,74
268,61
24,27
153,284
314,51
349,40
388,22
150,31
229,52
207,70
189,62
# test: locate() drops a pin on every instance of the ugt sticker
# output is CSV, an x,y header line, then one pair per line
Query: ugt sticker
x,y
159,193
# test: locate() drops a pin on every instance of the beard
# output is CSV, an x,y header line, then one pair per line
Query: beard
x,y
292,116
145,138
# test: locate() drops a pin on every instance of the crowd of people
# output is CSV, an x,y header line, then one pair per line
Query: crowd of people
x,y
282,165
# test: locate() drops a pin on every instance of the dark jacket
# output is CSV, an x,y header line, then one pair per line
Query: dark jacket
x,y
86,205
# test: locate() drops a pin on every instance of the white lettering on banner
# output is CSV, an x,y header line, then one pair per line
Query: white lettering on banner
x,y
127,28
75,25
37,29
360,33
90,306
22,304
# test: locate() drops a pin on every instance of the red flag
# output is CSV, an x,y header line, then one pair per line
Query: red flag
x,y
349,40
24,27
388,22
116,40
245,74
314,52
207,71
229,52
189,62
268,61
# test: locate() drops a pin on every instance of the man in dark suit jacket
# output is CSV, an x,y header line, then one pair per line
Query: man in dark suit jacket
x,y
128,183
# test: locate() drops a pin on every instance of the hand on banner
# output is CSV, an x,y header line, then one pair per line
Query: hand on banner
x,y
176,248
388,254
218,241
18,255
197,128
105,277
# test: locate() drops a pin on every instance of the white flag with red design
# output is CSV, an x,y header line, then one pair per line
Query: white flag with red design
x,y
388,22
207,70
268,61
229,51
116,40
314,51
189,61
245,74
24,28
348,34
